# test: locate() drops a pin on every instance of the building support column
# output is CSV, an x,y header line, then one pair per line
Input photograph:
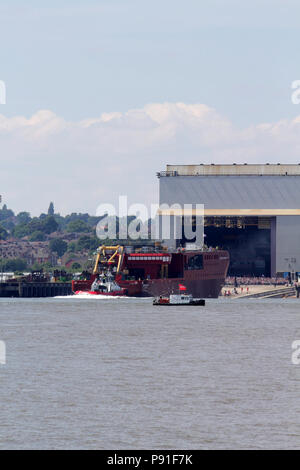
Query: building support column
x,y
273,247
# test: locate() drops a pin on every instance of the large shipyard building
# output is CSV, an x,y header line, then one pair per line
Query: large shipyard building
x,y
251,210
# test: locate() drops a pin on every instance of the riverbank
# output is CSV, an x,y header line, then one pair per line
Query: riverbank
x,y
248,291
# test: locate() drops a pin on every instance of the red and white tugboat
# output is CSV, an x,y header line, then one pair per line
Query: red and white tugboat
x,y
104,284
178,299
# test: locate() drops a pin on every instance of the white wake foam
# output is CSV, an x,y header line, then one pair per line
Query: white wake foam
x,y
94,297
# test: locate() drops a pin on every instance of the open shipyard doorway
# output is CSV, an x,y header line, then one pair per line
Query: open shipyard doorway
x,y
248,240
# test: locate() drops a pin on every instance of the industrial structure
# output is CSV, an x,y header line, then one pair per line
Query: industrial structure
x,y
253,211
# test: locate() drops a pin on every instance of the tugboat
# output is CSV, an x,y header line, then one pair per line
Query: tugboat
x,y
104,284
178,299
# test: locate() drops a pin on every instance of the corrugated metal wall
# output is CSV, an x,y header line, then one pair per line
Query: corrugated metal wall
x,y
232,192
287,244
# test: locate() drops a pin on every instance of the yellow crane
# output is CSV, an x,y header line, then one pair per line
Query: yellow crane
x,y
107,254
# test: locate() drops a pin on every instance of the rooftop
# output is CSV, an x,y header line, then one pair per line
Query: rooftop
x,y
234,169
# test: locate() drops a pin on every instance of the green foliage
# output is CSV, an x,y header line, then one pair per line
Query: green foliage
x,y
44,267
37,236
87,243
3,233
58,246
45,225
72,247
13,265
6,213
50,225
51,209
76,265
38,228
8,224
61,221
23,218
20,231
47,265
23,225
36,267
78,226
90,220
74,217
34,225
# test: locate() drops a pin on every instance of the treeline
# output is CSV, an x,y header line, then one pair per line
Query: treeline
x,y
20,265
37,228
13,265
53,228
84,243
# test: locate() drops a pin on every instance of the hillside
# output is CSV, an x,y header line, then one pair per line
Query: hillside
x,y
48,240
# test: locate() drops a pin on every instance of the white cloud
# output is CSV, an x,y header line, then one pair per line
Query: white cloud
x,y
82,164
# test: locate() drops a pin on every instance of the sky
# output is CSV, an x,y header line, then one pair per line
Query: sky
x,y
100,95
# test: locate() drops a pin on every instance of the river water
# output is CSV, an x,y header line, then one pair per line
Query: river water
x,y
123,374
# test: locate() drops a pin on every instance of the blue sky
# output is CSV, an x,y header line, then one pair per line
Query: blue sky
x,y
81,59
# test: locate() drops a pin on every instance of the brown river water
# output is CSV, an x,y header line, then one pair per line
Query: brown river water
x,y
124,374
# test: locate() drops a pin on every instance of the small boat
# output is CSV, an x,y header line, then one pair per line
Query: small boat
x,y
178,299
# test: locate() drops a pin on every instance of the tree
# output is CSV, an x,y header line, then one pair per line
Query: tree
x,y
76,265
41,266
8,224
72,247
6,213
23,218
61,221
74,216
46,224
37,236
34,225
21,231
49,224
14,265
58,246
93,220
51,209
87,243
77,226
3,233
